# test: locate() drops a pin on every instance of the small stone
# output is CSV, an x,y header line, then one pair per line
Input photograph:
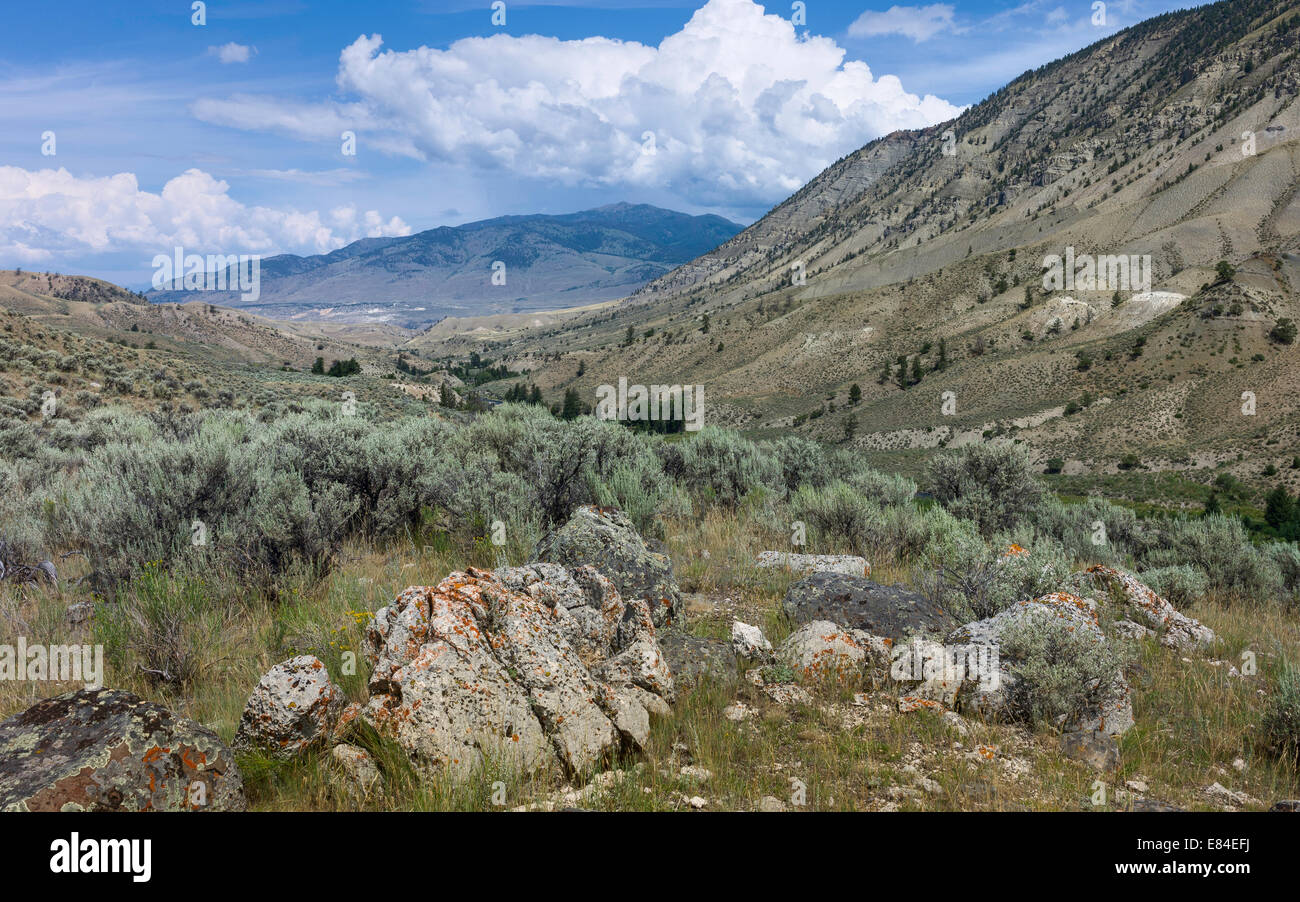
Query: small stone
x,y
699,774
749,642
771,803
1096,749
1228,797
697,802
358,766
957,722
737,712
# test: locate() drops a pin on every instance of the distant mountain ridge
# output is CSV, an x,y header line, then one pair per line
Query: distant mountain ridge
x,y
544,261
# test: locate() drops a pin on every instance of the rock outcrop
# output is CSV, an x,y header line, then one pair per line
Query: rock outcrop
x,y
1176,629
530,666
605,539
104,750
855,602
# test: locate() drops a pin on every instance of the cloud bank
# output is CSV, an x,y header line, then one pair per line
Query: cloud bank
x,y
734,108
47,213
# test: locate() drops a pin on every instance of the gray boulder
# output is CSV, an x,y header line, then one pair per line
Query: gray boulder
x,y
855,602
294,706
104,750
605,539
824,652
693,659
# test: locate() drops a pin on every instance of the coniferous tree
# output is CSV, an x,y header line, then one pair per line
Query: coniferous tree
x,y
572,405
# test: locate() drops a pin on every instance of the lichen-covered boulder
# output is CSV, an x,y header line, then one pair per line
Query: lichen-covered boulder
x,y
1176,628
697,659
991,698
531,667
104,750
821,651
803,564
605,539
294,706
856,602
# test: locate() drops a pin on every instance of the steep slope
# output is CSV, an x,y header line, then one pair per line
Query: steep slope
x,y
1174,141
549,261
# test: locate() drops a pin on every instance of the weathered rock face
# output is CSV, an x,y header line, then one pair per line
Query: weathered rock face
x,y
991,699
858,603
294,706
530,666
847,564
103,750
749,642
693,659
605,539
821,651
1177,629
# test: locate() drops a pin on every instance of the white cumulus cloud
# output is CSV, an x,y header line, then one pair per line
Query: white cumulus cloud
x,y
735,107
48,213
920,23
233,53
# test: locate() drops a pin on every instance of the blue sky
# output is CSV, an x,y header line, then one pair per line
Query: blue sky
x,y
226,137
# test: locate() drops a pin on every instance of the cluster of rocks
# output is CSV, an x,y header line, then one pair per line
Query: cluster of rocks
x,y
555,663
560,663
849,626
